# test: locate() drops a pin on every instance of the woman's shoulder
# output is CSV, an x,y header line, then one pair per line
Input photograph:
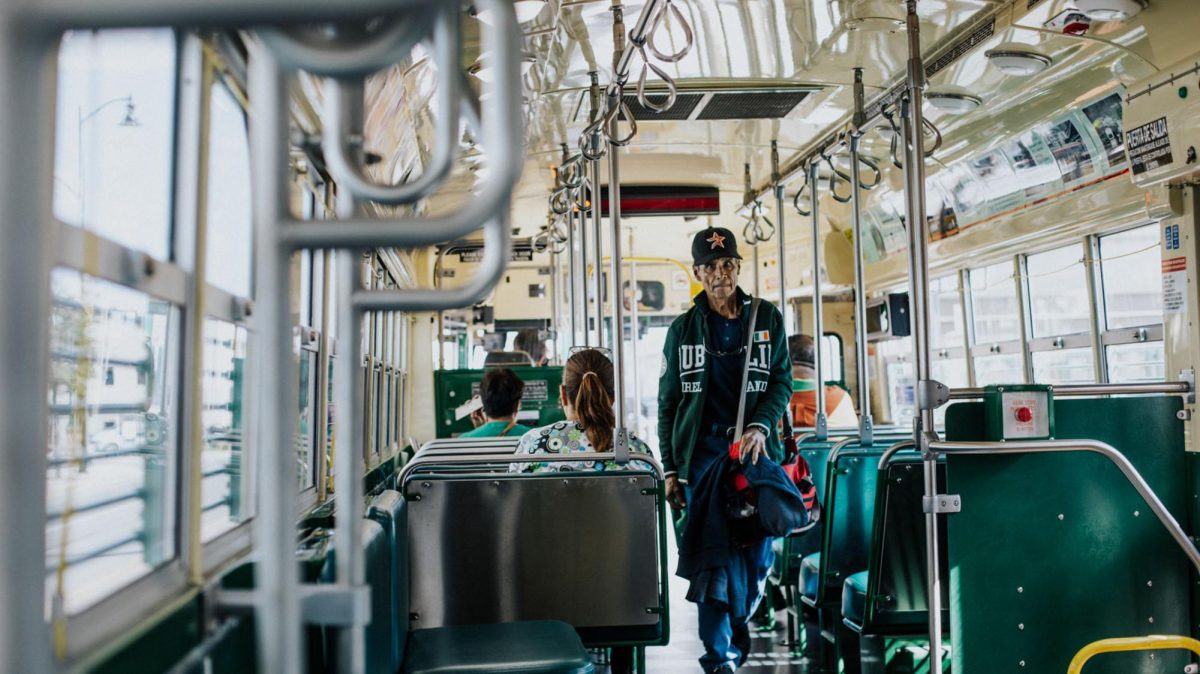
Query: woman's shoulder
x,y
544,434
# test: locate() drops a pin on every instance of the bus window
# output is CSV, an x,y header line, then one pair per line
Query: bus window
x,y
1059,306
115,136
997,349
110,485
1129,264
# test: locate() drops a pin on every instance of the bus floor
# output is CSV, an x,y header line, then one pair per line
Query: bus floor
x,y
682,654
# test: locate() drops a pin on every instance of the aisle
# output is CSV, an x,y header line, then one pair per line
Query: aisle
x,y
682,654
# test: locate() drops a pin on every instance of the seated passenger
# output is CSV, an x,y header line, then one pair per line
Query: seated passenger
x,y
839,408
500,391
587,399
530,341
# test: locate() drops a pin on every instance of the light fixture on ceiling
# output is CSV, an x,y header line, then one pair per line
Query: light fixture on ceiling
x,y
1015,61
482,69
1110,10
954,102
527,10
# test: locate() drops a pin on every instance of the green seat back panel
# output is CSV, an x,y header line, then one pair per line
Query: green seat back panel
x,y
379,634
237,653
455,387
388,510
531,647
797,547
899,602
854,599
1105,568
848,517
160,646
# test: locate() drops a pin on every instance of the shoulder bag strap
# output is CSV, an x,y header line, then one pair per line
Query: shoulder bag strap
x,y
737,433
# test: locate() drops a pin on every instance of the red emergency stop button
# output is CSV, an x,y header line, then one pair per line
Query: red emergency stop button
x,y
1024,415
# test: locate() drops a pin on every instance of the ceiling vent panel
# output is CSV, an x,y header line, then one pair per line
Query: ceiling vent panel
x,y
685,104
751,105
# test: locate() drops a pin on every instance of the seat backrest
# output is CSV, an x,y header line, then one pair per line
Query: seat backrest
x,y
449,446
387,509
847,518
816,453
897,588
586,548
378,635
507,358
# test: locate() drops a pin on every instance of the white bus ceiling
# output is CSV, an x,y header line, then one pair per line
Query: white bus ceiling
x,y
765,45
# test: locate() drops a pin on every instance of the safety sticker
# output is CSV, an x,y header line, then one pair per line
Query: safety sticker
x,y
1171,237
1174,280
1149,146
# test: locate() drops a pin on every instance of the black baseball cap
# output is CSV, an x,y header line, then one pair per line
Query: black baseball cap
x,y
712,244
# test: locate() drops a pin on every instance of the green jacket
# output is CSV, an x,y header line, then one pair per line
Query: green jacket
x,y
684,381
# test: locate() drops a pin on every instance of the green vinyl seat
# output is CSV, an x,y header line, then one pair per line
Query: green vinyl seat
x,y
854,599
810,575
528,647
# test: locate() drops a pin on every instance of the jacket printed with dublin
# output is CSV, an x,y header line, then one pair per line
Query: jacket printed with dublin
x,y
684,381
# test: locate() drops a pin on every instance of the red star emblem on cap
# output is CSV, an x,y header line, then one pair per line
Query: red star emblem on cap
x,y
716,240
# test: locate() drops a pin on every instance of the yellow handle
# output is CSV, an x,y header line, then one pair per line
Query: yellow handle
x,y
1153,642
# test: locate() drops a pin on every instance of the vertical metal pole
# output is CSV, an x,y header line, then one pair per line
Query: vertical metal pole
x,y
597,248
866,430
914,172
277,601
1025,312
585,276
635,330
26,131
348,384
572,282
777,182
323,377
1091,265
620,446
821,427
968,318
196,313
754,260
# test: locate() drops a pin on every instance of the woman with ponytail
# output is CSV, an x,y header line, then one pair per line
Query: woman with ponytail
x,y
587,400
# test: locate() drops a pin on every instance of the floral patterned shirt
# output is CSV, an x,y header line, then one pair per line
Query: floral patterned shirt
x,y
569,436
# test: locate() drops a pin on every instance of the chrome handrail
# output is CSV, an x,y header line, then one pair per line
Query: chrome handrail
x,y
892,451
351,60
336,133
1074,390
502,133
572,457
1095,446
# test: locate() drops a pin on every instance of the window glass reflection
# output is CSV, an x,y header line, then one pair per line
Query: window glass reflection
x,y
1067,366
223,489
114,135
994,303
229,227
1002,368
1058,292
111,454
1130,266
1129,363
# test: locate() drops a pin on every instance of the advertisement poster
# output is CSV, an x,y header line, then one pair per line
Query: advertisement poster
x,y
1106,118
1034,166
1067,146
997,179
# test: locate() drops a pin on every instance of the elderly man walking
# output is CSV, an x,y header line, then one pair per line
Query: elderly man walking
x,y
698,404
